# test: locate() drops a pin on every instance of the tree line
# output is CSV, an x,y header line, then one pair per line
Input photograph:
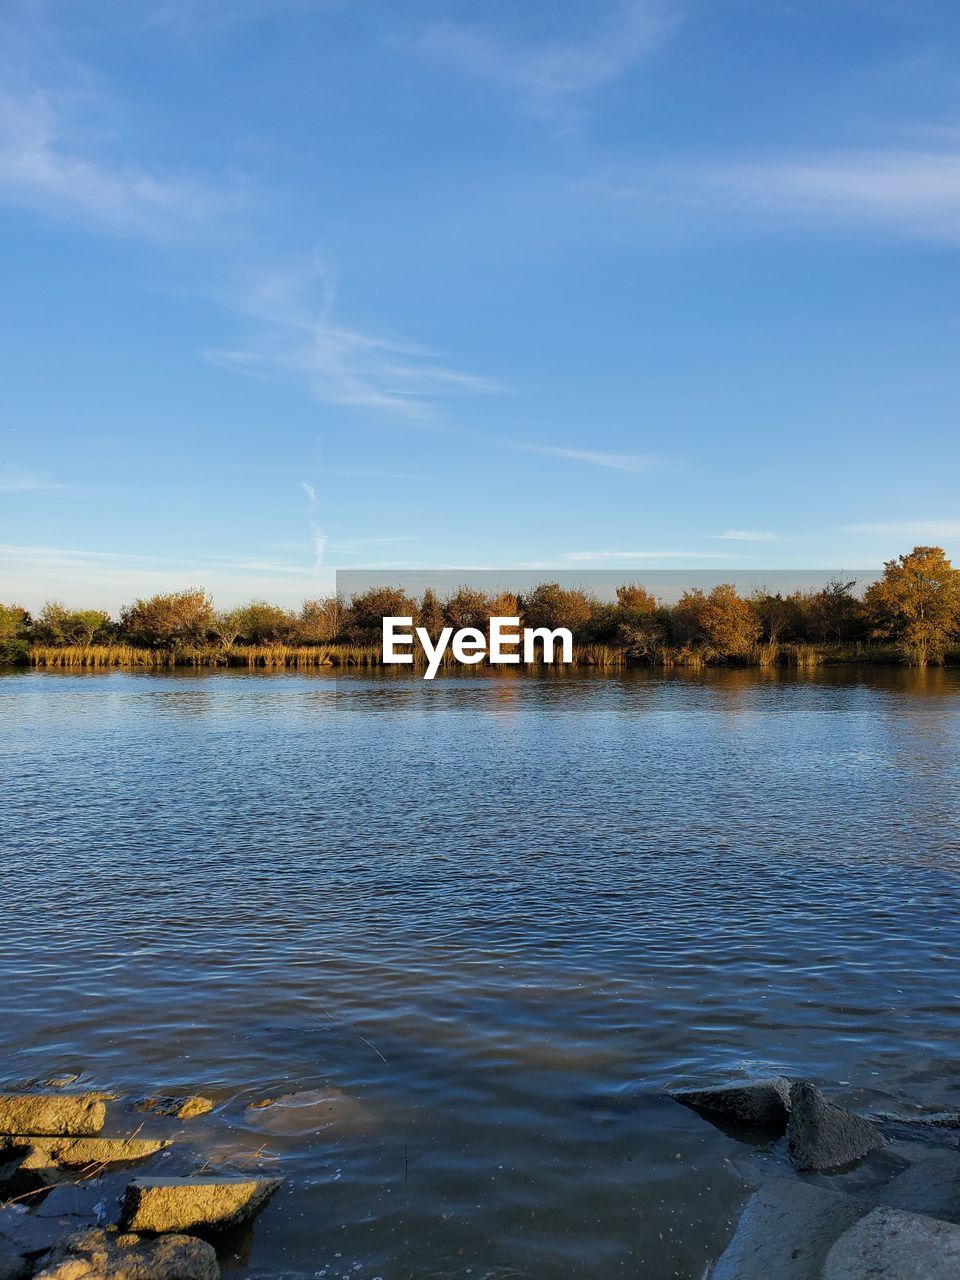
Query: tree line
x,y
915,606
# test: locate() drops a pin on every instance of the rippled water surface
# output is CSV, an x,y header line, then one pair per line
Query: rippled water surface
x,y
486,923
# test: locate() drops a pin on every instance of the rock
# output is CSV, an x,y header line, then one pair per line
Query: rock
x,y
937,1119
179,1108
10,1162
308,1111
822,1136
75,1114
97,1255
890,1245
786,1232
75,1206
77,1153
26,1232
13,1264
758,1104
931,1186
175,1204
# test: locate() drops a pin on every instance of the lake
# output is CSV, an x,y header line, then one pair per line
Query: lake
x,y
492,920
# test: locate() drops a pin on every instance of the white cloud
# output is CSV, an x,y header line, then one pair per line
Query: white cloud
x,y
915,193
637,462
109,579
744,535
646,555
41,170
299,338
16,480
309,490
908,528
550,77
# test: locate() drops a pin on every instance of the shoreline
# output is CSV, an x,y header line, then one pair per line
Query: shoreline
x,y
793,657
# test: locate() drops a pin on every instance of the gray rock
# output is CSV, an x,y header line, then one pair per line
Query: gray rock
x,y
761,1104
74,1206
890,1245
13,1264
786,1232
96,1255
822,1136
177,1204
75,1114
931,1186
27,1233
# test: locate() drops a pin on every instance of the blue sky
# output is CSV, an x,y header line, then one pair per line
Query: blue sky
x,y
297,286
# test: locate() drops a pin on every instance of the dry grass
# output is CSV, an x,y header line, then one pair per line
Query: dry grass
x,y
274,657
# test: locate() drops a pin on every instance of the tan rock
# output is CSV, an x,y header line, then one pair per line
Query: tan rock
x,y
176,1204
75,1153
99,1255
74,1114
308,1111
185,1108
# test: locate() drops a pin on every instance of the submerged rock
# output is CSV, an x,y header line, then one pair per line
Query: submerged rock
x,y
308,1111
13,1264
786,1232
76,1153
758,1104
175,1204
822,1136
72,1205
71,1114
930,1185
888,1244
97,1255
185,1108
26,1233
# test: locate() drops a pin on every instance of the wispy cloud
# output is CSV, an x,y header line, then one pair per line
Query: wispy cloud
x,y
551,77
41,169
646,555
15,480
912,192
309,490
637,462
908,528
744,535
299,338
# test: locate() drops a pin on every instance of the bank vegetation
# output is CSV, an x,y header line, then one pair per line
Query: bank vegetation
x,y
911,614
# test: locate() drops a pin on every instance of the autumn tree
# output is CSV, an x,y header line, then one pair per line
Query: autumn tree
x,y
549,605
265,623
634,598
720,619
319,620
56,624
430,614
363,618
917,604
226,625
467,607
182,617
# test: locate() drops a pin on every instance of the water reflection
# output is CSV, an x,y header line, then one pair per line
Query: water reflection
x,y
500,915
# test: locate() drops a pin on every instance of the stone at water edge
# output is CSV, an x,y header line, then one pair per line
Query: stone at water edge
x,y
75,1205
27,1233
96,1255
890,1245
57,1114
308,1111
13,1264
786,1232
77,1153
822,1136
177,1108
761,1104
180,1204
930,1185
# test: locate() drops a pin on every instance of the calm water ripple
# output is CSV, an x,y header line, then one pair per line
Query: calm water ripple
x,y
501,915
